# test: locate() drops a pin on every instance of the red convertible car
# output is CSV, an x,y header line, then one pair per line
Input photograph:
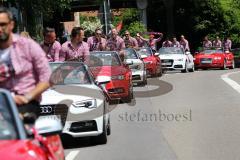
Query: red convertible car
x,y
214,58
43,143
108,65
152,61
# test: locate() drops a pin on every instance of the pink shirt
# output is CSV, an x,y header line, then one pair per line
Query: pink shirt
x,y
141,43
131,42
207,44
68,52
184,43
94,45
52,51
115,44
176,44
30,66
167,44
217,43
153,42
227,44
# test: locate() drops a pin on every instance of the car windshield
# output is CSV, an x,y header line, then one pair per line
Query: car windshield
x,y
104,59
145,52
170,50
130,54
8,129
69,73
211,51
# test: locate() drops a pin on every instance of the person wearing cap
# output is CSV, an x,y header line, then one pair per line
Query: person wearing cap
x,y
97,42
75,49
115,42
50,45
184,43
129,41
175,43
206,42
217,42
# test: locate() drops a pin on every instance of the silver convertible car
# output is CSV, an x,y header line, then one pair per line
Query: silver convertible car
x,y
78,101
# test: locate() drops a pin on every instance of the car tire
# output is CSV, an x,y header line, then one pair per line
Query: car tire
x,y
102,138
233,65
109,127
129,98
186,69
192,69
224,67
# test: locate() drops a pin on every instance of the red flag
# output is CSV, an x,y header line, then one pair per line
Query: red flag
x,y
119,26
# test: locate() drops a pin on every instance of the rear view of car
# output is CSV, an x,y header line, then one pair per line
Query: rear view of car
x,y
108,64
137,66
151,60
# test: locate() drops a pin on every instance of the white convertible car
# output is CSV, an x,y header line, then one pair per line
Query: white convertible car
x,y
137,66
77,101
174,58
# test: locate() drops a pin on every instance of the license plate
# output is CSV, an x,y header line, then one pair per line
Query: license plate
x,y
167,64
206,61
55,117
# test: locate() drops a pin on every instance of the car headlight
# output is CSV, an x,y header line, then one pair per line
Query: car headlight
x,y
217,58
90,103
119,77
180,59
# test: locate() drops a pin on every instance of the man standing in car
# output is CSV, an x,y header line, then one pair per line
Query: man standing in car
x,y
115,42
175,43
75,49
217,42
129,41
227,44
97,43
206,42
24,69
50,45
184,43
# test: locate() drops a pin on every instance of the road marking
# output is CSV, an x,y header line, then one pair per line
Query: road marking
x,y
72,155
231,82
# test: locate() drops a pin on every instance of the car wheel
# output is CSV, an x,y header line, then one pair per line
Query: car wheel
x,y
129,98
192,69
102,138
186,69
109,127
224,65
233,65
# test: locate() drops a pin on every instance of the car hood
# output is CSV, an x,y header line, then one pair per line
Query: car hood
x,y
60,93
19,150
108,70
171,56
202,55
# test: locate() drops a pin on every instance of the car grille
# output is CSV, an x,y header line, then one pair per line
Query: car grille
x,y
58,109
136,77
206,60
84,126
167,62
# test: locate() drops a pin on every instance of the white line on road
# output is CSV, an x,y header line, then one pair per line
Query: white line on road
x,y
72,155
231,82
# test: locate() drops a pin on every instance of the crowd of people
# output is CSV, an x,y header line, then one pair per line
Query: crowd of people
x,y
226,44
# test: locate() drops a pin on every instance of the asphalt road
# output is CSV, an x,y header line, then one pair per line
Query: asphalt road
x,y
192,116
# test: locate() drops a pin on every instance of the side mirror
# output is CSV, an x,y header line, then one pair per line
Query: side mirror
x,y
103,80
128,62
143,56
48,125
187,53
156,54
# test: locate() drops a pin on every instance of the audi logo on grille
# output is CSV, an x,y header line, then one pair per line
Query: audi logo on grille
x,y
46,109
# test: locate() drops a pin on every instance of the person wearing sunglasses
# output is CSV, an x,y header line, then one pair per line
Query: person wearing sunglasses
x,y
130,42
24,69
115,42
97,42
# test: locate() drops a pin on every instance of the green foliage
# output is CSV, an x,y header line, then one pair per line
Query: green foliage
x,y
136,27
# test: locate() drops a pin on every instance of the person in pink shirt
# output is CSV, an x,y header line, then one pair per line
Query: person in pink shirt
x,y
175,43
152,42
184,43
167,43
217,42
50,45
206,42
141,42
129,41
115,42
24,69
227,44
97,43
75,49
